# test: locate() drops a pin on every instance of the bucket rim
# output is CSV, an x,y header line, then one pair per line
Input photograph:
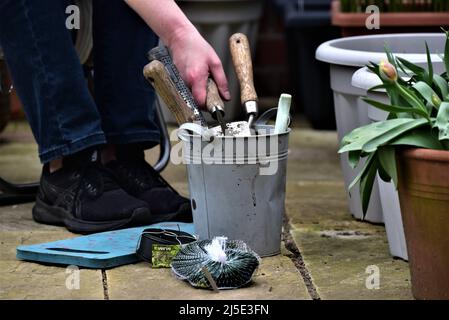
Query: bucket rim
x,y
189,135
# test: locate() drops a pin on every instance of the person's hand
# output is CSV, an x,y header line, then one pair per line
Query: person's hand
x,y
196,60
192,55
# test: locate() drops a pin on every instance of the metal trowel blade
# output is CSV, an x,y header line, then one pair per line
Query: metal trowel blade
x,y
221,122
234,129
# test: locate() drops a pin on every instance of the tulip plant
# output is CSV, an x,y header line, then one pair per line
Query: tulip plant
x,y
418,117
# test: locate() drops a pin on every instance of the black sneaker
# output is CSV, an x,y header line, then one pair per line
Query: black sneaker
x,y
140,180
84,196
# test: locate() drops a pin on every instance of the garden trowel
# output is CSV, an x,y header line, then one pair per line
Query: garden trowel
x,y
156,73
162,55
215,104
241,57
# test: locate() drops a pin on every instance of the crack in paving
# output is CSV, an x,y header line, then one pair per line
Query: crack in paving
x,y
297,260
105,285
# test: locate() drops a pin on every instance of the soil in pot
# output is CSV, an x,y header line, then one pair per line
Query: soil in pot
x,y
424,196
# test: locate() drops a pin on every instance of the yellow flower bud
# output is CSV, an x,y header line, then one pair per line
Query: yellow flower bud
x,y
388,71
436,101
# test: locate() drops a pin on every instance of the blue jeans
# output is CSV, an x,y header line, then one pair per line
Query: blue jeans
x,y
50,81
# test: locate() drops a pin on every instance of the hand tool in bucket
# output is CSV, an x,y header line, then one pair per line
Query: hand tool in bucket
x,y
158,76
241,57
214,103
162,55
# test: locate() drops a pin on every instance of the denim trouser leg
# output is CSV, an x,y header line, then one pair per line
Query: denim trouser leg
x,y
48,77
123,96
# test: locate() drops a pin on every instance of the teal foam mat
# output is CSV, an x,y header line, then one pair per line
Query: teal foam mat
x,y
98,251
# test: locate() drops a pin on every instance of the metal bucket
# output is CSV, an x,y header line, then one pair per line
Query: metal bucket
x,y
240,192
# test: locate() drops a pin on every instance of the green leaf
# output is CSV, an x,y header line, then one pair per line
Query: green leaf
x,y
390,56
366,183
380,86
446,52
426,92
412,67
354,158
410,97
395,109
422,138
393,94
359,136
441,84
401,67
362,171
384,138
442,121
383,174
429,65
387,160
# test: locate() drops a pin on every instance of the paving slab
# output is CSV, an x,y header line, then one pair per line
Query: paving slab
x,y
19,218
28,280
276,278
313,156
340,253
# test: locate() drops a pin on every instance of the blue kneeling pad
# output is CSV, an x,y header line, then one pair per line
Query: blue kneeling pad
x,y
98,251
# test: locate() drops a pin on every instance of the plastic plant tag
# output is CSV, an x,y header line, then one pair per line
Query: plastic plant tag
x,y
162,255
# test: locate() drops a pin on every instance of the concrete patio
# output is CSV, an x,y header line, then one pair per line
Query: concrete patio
x,y
325,252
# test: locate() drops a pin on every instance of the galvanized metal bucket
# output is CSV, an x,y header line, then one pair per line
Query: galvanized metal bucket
x,y
240,192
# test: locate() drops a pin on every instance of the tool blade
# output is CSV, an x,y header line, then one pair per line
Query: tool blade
x,y
221,122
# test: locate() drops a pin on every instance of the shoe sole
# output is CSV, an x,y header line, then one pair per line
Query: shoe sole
x,y
47,214
178,216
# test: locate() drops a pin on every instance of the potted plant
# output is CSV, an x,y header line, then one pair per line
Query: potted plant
x,y
365,79
411,148
346,56
397,16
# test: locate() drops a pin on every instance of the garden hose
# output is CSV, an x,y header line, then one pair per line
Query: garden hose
x,y
83,41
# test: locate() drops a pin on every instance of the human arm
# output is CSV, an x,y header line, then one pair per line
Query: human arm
x,y
192,55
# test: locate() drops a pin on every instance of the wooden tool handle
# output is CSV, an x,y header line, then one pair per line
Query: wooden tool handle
x,y
213,100
159,78
241,56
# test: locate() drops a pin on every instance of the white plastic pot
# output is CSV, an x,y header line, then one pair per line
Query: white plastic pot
x,y
345,57
389,198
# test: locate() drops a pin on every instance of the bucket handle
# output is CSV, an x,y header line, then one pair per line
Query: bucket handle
x,y
197,129
270,114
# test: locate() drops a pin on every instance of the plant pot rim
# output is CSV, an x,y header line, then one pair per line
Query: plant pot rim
x,y
388,19
334,51
426,154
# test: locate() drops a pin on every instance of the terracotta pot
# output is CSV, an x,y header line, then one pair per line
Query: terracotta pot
x,y
424,197
353,24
